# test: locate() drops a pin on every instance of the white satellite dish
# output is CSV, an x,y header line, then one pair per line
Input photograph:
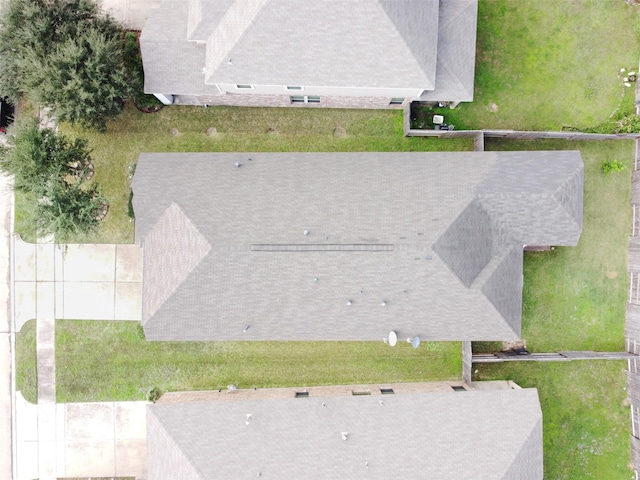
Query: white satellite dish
x,y
392,338
415,341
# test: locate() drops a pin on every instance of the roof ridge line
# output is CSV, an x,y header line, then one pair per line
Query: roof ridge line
x,y
231,28
393,23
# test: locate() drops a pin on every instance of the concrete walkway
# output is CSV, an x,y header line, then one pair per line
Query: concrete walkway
x,y
7,355
93,282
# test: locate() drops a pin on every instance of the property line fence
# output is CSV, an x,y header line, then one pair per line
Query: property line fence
x,y
632,317
550,357
512,134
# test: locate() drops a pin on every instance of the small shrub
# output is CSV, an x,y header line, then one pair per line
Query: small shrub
x,y
135,73
628,124
610,166
154,394
130,212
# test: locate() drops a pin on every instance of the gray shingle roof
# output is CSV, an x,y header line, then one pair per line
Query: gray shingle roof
x,y
455,68
494,434
324,43
407,229
327,43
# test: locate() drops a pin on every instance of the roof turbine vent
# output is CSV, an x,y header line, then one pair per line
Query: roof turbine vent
x,y
344,435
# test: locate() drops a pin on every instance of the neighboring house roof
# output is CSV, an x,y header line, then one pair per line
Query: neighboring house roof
x,y
455,68
188,47
493,434
436,237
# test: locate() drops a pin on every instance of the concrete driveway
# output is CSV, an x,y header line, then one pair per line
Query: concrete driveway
x,y
104,439
81,281
131,13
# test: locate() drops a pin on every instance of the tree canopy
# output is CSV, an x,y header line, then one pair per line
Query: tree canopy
x,y
52,171
64,54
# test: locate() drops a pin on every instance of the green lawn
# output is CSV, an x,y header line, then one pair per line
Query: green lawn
x,y
238,129
585,415
574,297
26,366
98,361
541,65
546,64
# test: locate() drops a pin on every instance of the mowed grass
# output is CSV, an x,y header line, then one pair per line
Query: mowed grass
x,y
585,415
574,297
545,64
26,362
97,360
238,129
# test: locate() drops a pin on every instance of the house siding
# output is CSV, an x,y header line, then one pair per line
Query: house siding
x,y
256,100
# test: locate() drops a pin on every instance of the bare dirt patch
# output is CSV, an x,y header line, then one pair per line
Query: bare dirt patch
x,y
611,275
493,107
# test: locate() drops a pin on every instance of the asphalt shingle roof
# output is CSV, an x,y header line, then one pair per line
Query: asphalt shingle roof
x,y
495,434
423,233
323,43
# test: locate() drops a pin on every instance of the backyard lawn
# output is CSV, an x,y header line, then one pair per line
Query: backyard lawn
x,y
585,415
546,64
574,297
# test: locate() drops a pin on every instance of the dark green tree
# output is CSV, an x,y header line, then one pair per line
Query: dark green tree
x,y
64,54
39,157
51,170
67,210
